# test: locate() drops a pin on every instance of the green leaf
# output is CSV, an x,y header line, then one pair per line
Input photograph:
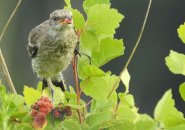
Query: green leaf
x,y
85,71
88,42
145,122
127,99
102,19
93,87
93,128
19,115
23,126
109,49
113,81
11,108
31,95
176,62
181,32
98,118
122,124
18,99
70,124
125,112
125,78
166,113
178,127
182,90
78,19
89,3
68,3
108,105
39,87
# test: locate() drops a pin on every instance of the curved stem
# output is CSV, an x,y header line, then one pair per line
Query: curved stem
x,y
2,61
134,49
9,20
139,38
6,74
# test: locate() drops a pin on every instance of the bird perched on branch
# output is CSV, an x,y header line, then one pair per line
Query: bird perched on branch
x,y
51,47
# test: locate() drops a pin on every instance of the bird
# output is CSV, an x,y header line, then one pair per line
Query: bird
x,y
51,46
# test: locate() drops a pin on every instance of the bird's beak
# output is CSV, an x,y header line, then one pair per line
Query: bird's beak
x,y
66,21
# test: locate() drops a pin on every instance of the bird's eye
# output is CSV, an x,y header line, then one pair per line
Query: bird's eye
x,y
56,18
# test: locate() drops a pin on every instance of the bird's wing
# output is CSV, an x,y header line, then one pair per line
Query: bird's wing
x,y
35,37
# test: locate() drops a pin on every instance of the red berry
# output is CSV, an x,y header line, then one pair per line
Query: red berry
x,y
57,113
43,110
51,106
42,104
46,99
39,120
33,113
42,98
68,111
48,110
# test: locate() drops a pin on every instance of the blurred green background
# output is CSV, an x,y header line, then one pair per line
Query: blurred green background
x,y
150,77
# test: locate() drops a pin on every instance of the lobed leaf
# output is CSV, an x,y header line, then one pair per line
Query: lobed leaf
x,y
127,99
166,113
93,86
145,122
68,3
89,42
122,124
31,95
98,118
109,49
178,127
70,124
108,105
126,112
181,32
86,70
103,20
78,19
23,126
176,62
182,90
89,3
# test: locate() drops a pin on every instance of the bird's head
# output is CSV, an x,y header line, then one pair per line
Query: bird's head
x,y
61,19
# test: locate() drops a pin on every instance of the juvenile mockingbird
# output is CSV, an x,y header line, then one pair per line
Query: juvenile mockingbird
x,y
51,47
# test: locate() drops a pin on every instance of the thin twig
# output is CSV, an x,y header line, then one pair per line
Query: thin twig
x,y
88,103
2,61
6,73
77,86
134,49
9,20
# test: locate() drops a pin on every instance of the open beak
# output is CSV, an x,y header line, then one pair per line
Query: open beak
x,y
66,21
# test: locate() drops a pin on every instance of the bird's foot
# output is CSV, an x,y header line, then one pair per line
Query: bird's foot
x,y
52,94
80,54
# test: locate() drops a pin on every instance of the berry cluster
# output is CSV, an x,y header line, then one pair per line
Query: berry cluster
x,y
61,110
40,110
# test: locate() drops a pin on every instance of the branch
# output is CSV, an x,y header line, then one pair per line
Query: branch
x,y
9,20
135,47
2,61
77,86
6,73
